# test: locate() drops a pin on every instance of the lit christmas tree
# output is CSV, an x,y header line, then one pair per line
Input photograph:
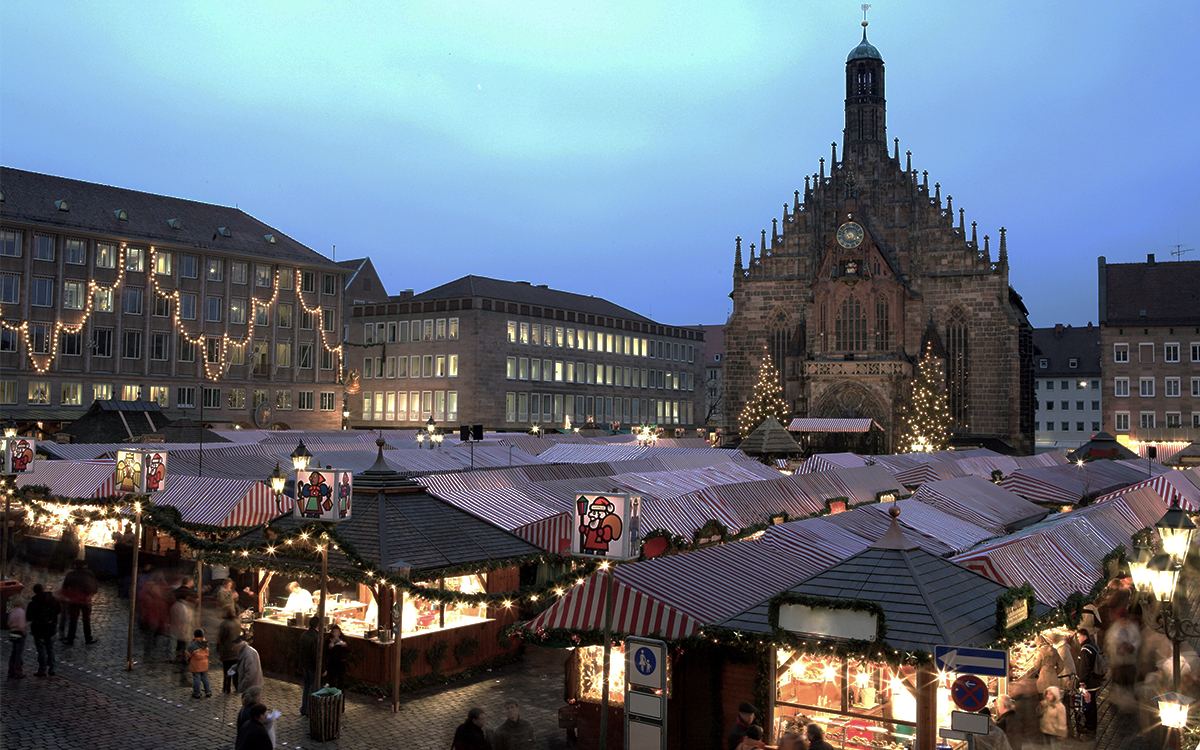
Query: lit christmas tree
x,y
926,423
765,401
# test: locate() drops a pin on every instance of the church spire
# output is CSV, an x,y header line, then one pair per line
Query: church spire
x,y
865,129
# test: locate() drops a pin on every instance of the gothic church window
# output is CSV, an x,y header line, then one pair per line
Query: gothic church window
x,y
883,324
780,340
958,370
851,326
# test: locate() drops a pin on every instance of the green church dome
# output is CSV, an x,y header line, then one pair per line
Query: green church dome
x,y
864,50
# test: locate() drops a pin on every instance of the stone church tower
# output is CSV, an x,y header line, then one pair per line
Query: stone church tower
x,y
863,268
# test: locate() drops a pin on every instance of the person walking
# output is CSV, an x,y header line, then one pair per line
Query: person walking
x,y
309,655
816,738
197,657
229,631
745,720
253,734
226,598
79,589
470,735
1090,677
42,618
16,634
515,733
249,667
1009,721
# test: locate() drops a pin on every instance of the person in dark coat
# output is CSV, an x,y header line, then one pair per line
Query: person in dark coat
x,y
745,720
515,733
816,738
41,617
1009,721
79,589
230,631
470,734
1089,681
337,658
253,734
310,649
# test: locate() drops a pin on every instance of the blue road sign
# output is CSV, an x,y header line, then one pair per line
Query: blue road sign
x,y
981,661
644,660
969,693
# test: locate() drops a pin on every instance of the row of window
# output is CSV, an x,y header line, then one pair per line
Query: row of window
x,y
1065,385
557,371
1072,363
71,394
403,331
107,255
427,366
1148,420
74,297
1065,426
555,407
1171,387
413,406
131,341
1146,352
1066,405
598,341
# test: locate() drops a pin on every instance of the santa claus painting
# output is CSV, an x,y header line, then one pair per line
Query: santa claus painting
x,y
598,525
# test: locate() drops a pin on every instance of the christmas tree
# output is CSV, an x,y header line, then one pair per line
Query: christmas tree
x,y
765,401
926,423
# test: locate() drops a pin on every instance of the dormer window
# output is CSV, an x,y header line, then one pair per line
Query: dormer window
x,y
175,223
1043,363
224,232
1073,363
62,205
121,214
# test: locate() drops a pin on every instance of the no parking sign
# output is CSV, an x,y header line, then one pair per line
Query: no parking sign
x,y
969,692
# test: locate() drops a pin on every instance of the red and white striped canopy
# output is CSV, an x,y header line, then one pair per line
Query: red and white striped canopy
x,y
812,424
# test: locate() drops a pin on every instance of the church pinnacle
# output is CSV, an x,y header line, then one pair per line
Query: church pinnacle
x,y
865,104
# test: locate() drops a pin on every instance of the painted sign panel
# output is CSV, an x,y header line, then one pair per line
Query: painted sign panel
x,y
843,624
141,472
18,455
324,494
606,526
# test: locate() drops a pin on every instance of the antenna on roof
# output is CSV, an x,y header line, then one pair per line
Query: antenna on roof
x,y
335,253
1178,251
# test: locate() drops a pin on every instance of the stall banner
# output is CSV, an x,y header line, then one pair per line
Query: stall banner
x,y
324,494
606,525
141,472
18,455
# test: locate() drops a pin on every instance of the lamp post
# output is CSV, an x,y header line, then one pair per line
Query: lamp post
x,y
301,457
278,480
431,429
1158,575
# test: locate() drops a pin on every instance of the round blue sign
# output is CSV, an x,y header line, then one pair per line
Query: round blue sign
x,y
969,693
644,661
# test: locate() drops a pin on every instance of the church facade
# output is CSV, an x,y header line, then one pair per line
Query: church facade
x,y
868,268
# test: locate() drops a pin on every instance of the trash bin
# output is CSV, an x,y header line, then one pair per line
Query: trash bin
x,y
325,714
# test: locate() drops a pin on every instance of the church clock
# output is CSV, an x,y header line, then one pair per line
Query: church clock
x,y
850,235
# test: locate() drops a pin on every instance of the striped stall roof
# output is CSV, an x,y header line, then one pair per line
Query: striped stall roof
x,y
812,424
1065,484
864,483
635,612
814,537
509,508
1058,556
494,456
1166,488
218,502
959,534
552,534
983,466
979,502
830,461
1049,458
820,486
871,522
933,471
72,478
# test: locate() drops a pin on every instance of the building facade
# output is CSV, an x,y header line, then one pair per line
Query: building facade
x,y
1066,363
511,356
1150,350
714,376
107,293
842,289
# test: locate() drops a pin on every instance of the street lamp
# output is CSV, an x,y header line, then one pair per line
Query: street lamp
x,y
301,457
1173,710
1177,532
10,428
436,439
278,480
420,440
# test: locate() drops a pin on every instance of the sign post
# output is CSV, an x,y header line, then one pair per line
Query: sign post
x,y
647,687
976,661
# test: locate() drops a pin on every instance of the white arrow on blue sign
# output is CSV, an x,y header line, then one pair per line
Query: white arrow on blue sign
x,y
979,661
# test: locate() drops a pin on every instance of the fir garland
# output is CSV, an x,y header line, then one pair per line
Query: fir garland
x,y
1027,626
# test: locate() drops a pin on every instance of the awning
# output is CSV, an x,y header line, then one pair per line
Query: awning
x,y
634,612
812,424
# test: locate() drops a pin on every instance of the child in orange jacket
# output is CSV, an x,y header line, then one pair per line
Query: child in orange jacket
x,y
197,657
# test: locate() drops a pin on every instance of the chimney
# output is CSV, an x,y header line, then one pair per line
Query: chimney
x,y
1150,259
1058,330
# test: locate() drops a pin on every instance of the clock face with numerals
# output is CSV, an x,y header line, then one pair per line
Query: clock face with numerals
x,y
850,235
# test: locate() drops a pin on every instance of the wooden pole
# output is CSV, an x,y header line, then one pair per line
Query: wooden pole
x,y
609,595
10,481
398,638
199,591
133,589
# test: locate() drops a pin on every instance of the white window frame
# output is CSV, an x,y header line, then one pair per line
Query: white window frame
x,y
1121,354
1170,348
1169,385
1143,390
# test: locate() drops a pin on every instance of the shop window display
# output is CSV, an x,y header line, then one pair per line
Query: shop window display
x,y
421,616
591,667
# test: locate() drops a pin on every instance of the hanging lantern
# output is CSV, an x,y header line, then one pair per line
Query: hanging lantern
x,y
18,454
324,494
1164,575
141,472
300,457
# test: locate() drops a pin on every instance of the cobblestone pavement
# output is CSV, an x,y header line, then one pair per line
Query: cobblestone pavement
x,y
94,704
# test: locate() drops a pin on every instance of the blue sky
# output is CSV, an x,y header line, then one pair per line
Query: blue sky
x,y
616,149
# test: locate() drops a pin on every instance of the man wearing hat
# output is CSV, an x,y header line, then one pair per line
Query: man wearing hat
x,y
745,720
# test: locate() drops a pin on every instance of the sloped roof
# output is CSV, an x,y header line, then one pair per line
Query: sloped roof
x,y
1101,446
770,439
1059,345
117,422
31,197
1159,293
187,431
927,600
523,291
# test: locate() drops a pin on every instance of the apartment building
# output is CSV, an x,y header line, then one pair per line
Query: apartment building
x,y
1066,382
115,294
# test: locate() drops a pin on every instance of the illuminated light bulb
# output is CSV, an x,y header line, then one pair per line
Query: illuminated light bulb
x,y
558,592
829,673
507,604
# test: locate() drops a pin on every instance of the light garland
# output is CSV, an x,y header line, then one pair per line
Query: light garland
x,y
221,366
